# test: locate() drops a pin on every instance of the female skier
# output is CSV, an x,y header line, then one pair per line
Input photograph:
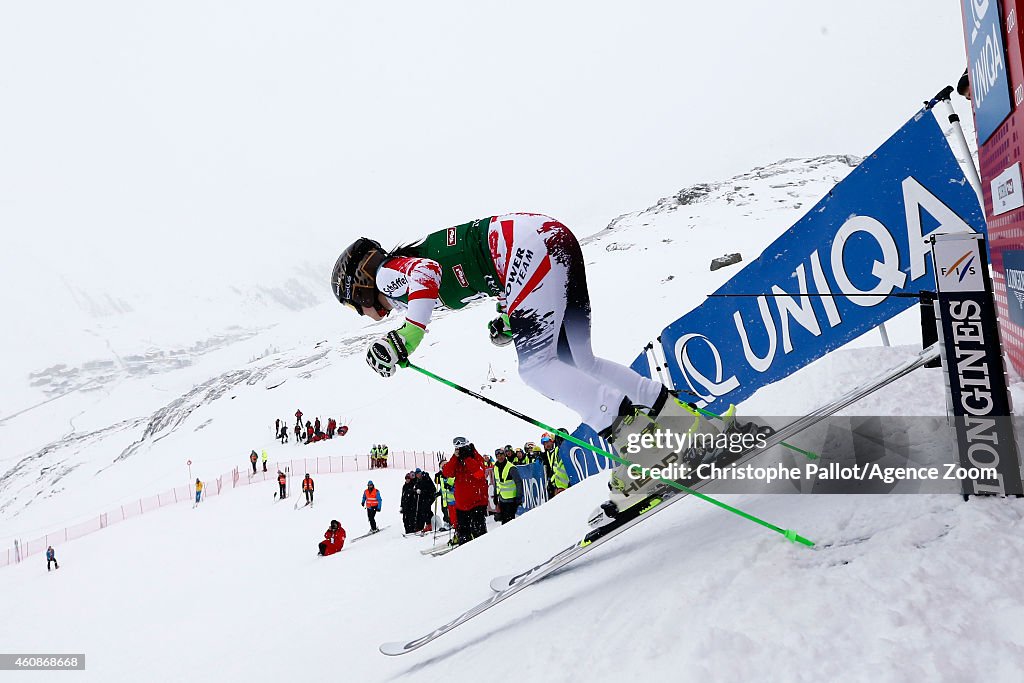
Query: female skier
x,y
534,266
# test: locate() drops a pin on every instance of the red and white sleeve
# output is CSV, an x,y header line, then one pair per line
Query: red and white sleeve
x,y
420,278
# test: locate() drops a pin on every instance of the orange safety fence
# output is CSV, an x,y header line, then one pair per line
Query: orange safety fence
x,y
401,460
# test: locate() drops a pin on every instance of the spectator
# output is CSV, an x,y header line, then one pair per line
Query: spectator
x,y
331,426
372,501
409,506
446,487
508,489
307,488
427,494
199,491
316,426
963,86
253,458
282,481
51,556
283,434
298,434
519,458
264,460
277,427
298,418
309,431
554,466
334,539
467,469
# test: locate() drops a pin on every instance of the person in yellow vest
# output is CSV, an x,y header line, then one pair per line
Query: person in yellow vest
x,y
558,478
199,491
508,488
264,460
372,501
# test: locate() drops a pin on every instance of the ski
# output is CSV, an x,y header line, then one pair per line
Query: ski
x,y
506,587
438,550
370,533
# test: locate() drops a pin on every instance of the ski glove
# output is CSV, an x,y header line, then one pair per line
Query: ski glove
x,y
389,353
500,330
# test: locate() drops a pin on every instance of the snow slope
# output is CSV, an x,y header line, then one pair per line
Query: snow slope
x,y
232,589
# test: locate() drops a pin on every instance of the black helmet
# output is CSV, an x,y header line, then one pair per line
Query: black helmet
x,y
354,278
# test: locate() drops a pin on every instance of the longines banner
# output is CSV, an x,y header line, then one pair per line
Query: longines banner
x,y
979,402
862,242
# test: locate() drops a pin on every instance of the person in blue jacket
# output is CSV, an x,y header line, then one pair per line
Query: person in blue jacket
x,y
372,501
51,556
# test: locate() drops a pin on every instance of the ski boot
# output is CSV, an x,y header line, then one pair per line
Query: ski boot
x,y
630,427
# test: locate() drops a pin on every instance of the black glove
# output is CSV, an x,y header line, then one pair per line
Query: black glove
x,y
500,330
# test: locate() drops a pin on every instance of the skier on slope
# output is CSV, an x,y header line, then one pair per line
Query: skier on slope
x,y
534,266
307,488
372,501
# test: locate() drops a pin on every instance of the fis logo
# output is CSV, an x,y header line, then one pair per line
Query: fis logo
x,y
460,275
963,267
451,237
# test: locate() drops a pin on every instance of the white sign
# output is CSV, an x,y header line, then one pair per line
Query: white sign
x,y
958,264
1007,193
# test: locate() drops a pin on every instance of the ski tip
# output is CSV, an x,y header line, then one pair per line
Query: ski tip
x,y
501,583
392,649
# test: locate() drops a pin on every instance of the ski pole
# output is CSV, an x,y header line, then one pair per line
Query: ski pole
x,y
788,533
810,455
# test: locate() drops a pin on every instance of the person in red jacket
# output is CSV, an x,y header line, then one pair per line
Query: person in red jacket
x,y
334,539
282,481
468,469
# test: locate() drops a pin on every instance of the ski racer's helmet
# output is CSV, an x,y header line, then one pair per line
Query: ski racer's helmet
x,y
354,278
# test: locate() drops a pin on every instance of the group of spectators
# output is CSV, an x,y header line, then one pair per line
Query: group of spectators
x,y
379,456
462,485
311,431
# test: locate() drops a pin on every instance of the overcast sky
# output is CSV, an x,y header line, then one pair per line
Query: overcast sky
x,y
178,137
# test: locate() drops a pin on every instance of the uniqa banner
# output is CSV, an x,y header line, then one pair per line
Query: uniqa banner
x,y
826,280
535,486
581,462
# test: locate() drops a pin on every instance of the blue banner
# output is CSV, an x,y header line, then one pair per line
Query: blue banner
x,y
986,54
535,486
1013,266
580,462
860,243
